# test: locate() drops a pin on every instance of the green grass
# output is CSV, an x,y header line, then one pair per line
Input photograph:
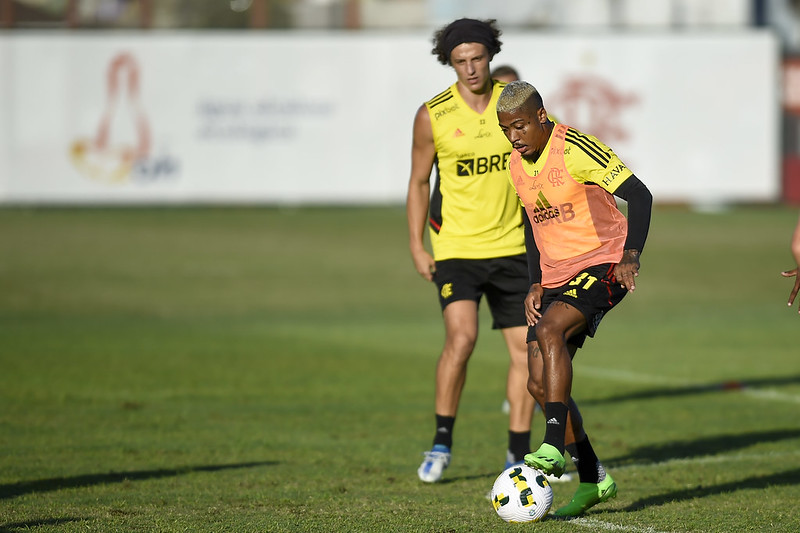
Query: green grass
x,y
272,370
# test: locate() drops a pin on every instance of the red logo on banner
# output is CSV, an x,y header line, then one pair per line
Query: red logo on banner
x,y
593,105
111,156
791,86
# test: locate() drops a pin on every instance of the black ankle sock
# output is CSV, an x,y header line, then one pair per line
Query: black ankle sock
x,y
589,467
519,444
444,430
556,417
572,450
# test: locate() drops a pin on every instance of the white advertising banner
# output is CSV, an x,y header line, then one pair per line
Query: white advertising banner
x,y
314,117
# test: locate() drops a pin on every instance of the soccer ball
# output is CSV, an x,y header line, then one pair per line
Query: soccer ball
x,y
521,494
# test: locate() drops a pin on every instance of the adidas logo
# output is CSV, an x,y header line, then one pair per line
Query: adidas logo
x,y
553,421
541,202
458,133
441,430
571,292
543,211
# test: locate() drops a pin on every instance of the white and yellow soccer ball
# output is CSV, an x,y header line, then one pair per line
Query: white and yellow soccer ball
x,y
521,494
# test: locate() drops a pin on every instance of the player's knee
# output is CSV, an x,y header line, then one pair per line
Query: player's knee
x,y
547,333
459,345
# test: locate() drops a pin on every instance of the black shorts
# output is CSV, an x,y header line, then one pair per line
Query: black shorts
x,y
593,292
504,280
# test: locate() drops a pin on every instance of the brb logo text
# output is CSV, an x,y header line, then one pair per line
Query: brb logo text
x,y
482,165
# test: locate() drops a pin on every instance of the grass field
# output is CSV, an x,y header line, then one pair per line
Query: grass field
x,y
252,370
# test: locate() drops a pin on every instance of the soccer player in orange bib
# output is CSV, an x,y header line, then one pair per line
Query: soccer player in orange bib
x,y
583,258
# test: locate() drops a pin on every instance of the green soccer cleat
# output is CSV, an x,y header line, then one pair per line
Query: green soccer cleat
x,y
587,496
547,459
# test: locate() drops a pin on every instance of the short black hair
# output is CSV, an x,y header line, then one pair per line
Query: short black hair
x,y
505,70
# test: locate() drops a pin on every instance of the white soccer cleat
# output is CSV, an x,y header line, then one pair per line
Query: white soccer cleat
x,y
436,460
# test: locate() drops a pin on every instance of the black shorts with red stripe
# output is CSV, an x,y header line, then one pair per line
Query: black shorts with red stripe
x,y
593,292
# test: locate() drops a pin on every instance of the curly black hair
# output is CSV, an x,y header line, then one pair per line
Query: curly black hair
x,y
487,35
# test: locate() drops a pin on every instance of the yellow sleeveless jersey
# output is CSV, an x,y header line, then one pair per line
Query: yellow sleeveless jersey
x,y
475,213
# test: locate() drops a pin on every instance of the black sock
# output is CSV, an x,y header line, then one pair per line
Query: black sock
x,y
589,467
556,416
519,444
572,450
444,430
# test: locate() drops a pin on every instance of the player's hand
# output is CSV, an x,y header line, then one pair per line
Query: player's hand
x,y
627,269
533,304
793,273
425,264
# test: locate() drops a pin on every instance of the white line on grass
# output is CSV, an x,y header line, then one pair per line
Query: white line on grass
x,y
636,377
633,377
598,525
771,394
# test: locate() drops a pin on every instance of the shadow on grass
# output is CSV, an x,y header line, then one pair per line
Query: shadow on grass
x,y
12,490
790,477
671,392
26,526
715,445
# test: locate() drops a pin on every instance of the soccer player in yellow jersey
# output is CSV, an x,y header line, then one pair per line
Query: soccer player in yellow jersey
x,y
583,257
475,225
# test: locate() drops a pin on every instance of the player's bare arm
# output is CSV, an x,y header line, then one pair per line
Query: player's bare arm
x,y
796,288
795,272
423,152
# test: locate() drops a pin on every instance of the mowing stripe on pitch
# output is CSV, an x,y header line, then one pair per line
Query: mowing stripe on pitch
x,y
708,459
635,377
